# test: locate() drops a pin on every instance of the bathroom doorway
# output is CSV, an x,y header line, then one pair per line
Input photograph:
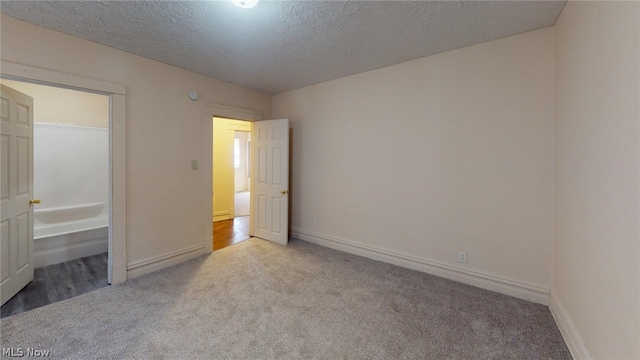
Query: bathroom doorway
x,y
231,181
71,178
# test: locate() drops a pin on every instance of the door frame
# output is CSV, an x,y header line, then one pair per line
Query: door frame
x,y
117,267
216,110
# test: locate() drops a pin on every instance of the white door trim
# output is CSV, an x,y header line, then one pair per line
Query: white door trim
x,y
117,149
230,112
217,110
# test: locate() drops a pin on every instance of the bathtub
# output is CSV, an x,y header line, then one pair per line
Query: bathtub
x,y
69,232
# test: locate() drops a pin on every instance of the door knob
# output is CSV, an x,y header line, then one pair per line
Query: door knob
x,y
284,192
34,201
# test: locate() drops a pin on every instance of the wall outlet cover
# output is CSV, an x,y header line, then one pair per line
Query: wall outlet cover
x,y
462,257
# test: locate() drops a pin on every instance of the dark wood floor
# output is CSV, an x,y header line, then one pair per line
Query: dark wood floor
x,y
229,232
59,282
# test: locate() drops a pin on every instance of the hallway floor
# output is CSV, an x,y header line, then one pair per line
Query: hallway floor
x,y
59,282
229,232
241,203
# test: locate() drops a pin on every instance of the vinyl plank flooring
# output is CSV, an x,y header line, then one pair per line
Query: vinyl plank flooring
x,y
59,282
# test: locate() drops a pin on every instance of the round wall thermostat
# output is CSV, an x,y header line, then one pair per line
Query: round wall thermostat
x,y
193,95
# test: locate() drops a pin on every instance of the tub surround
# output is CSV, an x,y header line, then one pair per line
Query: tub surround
x,y
71,165
71,177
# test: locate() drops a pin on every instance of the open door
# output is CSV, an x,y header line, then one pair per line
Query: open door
x,y
16,177
270,182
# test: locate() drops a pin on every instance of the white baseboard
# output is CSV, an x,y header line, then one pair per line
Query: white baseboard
x,y
148,265
60,248
482,280
568,330
221,215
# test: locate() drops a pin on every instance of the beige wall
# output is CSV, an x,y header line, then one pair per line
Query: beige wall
x,y
445,153
62,106
165,130
596,275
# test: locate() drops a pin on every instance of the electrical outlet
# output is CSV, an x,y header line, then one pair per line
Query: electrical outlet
x,y
194,164
462,257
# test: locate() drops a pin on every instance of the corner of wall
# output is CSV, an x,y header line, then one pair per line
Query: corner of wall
x,y
568,329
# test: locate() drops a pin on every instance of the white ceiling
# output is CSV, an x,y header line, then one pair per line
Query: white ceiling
x,y
284,45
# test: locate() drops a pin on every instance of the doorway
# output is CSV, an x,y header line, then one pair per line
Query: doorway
x,y
117,268
231,175
242,173
71,218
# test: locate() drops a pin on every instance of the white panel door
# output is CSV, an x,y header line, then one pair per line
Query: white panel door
x,y
270,180
16,183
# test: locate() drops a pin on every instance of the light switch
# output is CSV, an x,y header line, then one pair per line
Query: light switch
x,y
194,164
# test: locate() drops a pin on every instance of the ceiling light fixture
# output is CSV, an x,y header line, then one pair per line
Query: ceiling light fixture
x,y
245,4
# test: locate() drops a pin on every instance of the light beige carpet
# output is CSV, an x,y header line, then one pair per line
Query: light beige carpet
x,y
241,203
259,300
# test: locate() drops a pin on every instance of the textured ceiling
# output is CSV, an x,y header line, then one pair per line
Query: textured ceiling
x,y
284,45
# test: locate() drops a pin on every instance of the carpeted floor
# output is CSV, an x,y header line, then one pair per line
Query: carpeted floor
x,y
259,300
242,203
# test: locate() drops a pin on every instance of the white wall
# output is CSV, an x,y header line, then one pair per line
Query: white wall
x,y
596,272
55,105
165,131
445,153
241,175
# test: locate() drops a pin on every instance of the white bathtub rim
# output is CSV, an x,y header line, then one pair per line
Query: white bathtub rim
x,y
70,227
72,208
72,212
